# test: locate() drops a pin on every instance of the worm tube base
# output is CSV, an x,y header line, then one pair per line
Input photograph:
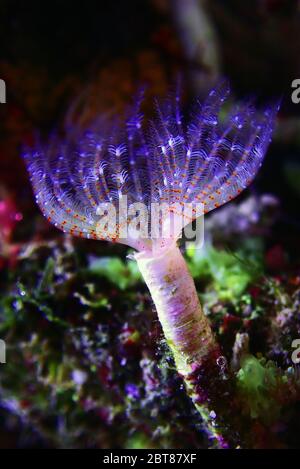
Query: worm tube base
x,y
191,340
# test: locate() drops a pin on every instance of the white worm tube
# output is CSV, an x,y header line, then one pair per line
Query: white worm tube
x,y
189,336
186,328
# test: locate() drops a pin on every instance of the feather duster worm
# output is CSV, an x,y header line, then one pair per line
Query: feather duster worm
x,y
84,180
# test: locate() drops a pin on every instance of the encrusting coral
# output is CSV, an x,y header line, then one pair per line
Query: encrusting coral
x,y
82,185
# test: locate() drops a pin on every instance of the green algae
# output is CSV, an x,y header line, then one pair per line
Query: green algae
x,y
257,381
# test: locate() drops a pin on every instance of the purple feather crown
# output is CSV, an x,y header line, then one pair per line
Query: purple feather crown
x,y
208,160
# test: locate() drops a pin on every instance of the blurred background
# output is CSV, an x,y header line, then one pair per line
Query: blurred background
x,y
81,367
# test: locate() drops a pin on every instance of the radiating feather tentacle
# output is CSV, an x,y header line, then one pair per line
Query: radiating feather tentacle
x,y
164,161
